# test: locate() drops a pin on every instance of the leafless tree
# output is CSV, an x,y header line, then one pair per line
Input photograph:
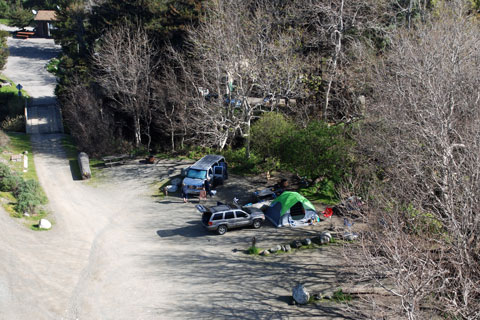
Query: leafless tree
x,y
332,30
241,55
91,124
125,61
422,141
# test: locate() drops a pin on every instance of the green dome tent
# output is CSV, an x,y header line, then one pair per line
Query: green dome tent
x,y
291,208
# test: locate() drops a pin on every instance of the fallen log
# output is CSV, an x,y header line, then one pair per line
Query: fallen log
x,y
84,164
360,290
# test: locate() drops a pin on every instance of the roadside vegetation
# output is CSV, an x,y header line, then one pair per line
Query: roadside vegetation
x,y
20,193
12,114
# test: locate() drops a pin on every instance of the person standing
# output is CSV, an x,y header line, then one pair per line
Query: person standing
x,y
208,188
185,193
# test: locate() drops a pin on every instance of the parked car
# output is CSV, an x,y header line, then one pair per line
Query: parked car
x,y
211,167
223,217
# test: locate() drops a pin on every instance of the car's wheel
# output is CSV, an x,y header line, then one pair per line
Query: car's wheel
x,y
257,223
222,229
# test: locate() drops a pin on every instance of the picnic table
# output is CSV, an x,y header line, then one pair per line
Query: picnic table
x,y
24,34
116,159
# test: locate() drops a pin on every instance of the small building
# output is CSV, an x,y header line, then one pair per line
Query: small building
x,y
45,20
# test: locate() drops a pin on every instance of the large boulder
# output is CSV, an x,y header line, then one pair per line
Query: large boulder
x,y
300,294
44,224
276,248
306,242
296,244
325,237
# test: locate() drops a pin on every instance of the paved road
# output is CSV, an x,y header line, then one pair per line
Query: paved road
x,y
26,66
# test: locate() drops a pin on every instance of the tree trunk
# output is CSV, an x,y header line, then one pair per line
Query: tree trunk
x,y
138,134
247,149
338,48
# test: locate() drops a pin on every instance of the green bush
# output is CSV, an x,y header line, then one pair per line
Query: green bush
x,y
253,250
3,48
9,181
20,18
268,134
316,151
29,196
52,66
28,193
238,163
4,9
323,191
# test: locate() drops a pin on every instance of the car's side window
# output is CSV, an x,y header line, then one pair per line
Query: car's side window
x,y
241,214
229,215
218,216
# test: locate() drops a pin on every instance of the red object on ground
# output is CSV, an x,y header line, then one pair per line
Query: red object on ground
x,y
328,212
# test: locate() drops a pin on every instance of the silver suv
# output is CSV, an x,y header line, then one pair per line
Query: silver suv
x,y
223,217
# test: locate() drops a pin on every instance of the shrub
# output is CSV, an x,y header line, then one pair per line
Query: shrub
x,y
52,66
20,18
9,181
316,151
268,134
239,164
253,250
4,9
15,124
29,196
3,48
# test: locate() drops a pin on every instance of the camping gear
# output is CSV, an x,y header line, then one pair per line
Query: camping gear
x,y
328,212
291,208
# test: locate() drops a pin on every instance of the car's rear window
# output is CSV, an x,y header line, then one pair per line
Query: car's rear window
x,y
206,217
229,215
217,216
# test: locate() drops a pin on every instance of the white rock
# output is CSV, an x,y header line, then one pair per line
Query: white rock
x,y
300,294
325,237
350,236
44,224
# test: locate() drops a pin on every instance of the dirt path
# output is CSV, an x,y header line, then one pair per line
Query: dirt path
x,y
116,252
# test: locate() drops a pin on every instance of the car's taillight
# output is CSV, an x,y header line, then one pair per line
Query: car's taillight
x,y
210,223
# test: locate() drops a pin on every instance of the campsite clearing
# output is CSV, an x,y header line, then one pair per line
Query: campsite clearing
x,y
123,252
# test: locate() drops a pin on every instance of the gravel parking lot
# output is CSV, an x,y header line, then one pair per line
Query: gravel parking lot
x,y
117,251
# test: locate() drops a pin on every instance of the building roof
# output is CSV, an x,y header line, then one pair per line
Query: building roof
x,y
46,15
